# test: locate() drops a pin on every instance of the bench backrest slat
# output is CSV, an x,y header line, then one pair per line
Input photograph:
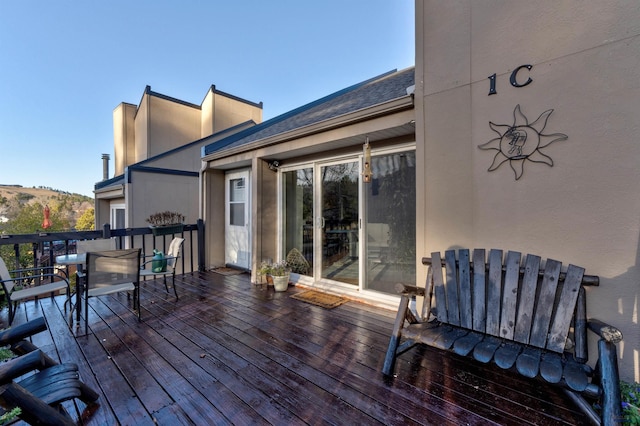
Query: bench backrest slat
x,y
479,291
453,301
502,299
494,291
464,277
527,299
510,295
546,300
439,289
565,309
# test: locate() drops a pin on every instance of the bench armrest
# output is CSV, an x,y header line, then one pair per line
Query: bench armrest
x,y
34,410
16,367
409,290
607,332
19,332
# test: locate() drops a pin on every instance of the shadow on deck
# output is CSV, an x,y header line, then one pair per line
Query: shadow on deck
x,y
229,352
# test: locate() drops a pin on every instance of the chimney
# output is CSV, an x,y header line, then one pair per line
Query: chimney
x,y
105,166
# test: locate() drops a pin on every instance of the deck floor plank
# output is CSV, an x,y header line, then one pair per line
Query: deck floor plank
x,y
229,352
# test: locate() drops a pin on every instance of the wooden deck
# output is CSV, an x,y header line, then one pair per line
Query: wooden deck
x,y
229,352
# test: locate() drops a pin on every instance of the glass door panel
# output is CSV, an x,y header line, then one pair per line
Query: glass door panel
x,y
339,222
298,216
390,201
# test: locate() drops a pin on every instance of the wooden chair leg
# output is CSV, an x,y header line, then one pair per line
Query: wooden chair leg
x,y
394,341
610,383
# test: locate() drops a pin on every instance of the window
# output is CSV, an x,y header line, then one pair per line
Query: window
x,y
117,217
237,195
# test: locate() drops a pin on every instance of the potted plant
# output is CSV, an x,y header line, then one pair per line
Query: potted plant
x,y
163,223
276,273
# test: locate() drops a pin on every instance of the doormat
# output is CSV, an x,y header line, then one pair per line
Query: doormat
x,y
227,271
328,301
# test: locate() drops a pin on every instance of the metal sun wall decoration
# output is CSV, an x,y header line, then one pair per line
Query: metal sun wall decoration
x,y
521,141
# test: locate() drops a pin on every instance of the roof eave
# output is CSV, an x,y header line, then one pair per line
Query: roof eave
x,y
369,113
109,192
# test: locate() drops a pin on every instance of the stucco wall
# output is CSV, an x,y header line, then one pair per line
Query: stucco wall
x,y
141,127
123,136
207,114
229,112
586,208
154,192
171,124
213,200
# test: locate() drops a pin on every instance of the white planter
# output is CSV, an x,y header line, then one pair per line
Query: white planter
x,y
281,282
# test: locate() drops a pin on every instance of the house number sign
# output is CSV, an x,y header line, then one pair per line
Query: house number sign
x,y
522,140
513,79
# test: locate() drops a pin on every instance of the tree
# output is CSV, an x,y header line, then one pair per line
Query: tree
x,y
28,220
86,222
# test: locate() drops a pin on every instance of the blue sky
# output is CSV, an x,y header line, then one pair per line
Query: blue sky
x,y
65,66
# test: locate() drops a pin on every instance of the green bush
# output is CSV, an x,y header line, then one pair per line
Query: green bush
x,y
630,395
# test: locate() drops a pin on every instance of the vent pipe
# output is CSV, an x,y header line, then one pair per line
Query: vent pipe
x,y
105,166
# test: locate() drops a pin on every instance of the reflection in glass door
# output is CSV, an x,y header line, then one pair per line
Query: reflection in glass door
x,y
339,222
390,214
298,216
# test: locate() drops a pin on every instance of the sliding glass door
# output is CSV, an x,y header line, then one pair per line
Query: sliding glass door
x,y
298,216
339,222
390,217
350,232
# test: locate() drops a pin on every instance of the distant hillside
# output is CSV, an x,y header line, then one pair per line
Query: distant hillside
x,y
41,194
13,197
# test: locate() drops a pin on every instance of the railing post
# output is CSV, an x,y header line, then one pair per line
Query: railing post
x,y
201,257
106,230
16,250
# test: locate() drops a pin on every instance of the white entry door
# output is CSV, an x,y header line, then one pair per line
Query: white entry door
x,y
237,219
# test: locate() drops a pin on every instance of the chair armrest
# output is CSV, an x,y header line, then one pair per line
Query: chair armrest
x,y
607,332
409,290
31,277
19,332
37,268
16,367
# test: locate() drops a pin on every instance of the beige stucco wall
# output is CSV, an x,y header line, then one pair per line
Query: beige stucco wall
x,y
155,192
213,208
171,124
123,136
141,128
186,159
230,111
221,111
207,114
586,208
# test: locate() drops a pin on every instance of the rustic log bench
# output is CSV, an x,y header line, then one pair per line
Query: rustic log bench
x,y
39,395
524,318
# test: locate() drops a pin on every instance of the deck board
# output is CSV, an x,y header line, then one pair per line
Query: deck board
x,y
229,352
